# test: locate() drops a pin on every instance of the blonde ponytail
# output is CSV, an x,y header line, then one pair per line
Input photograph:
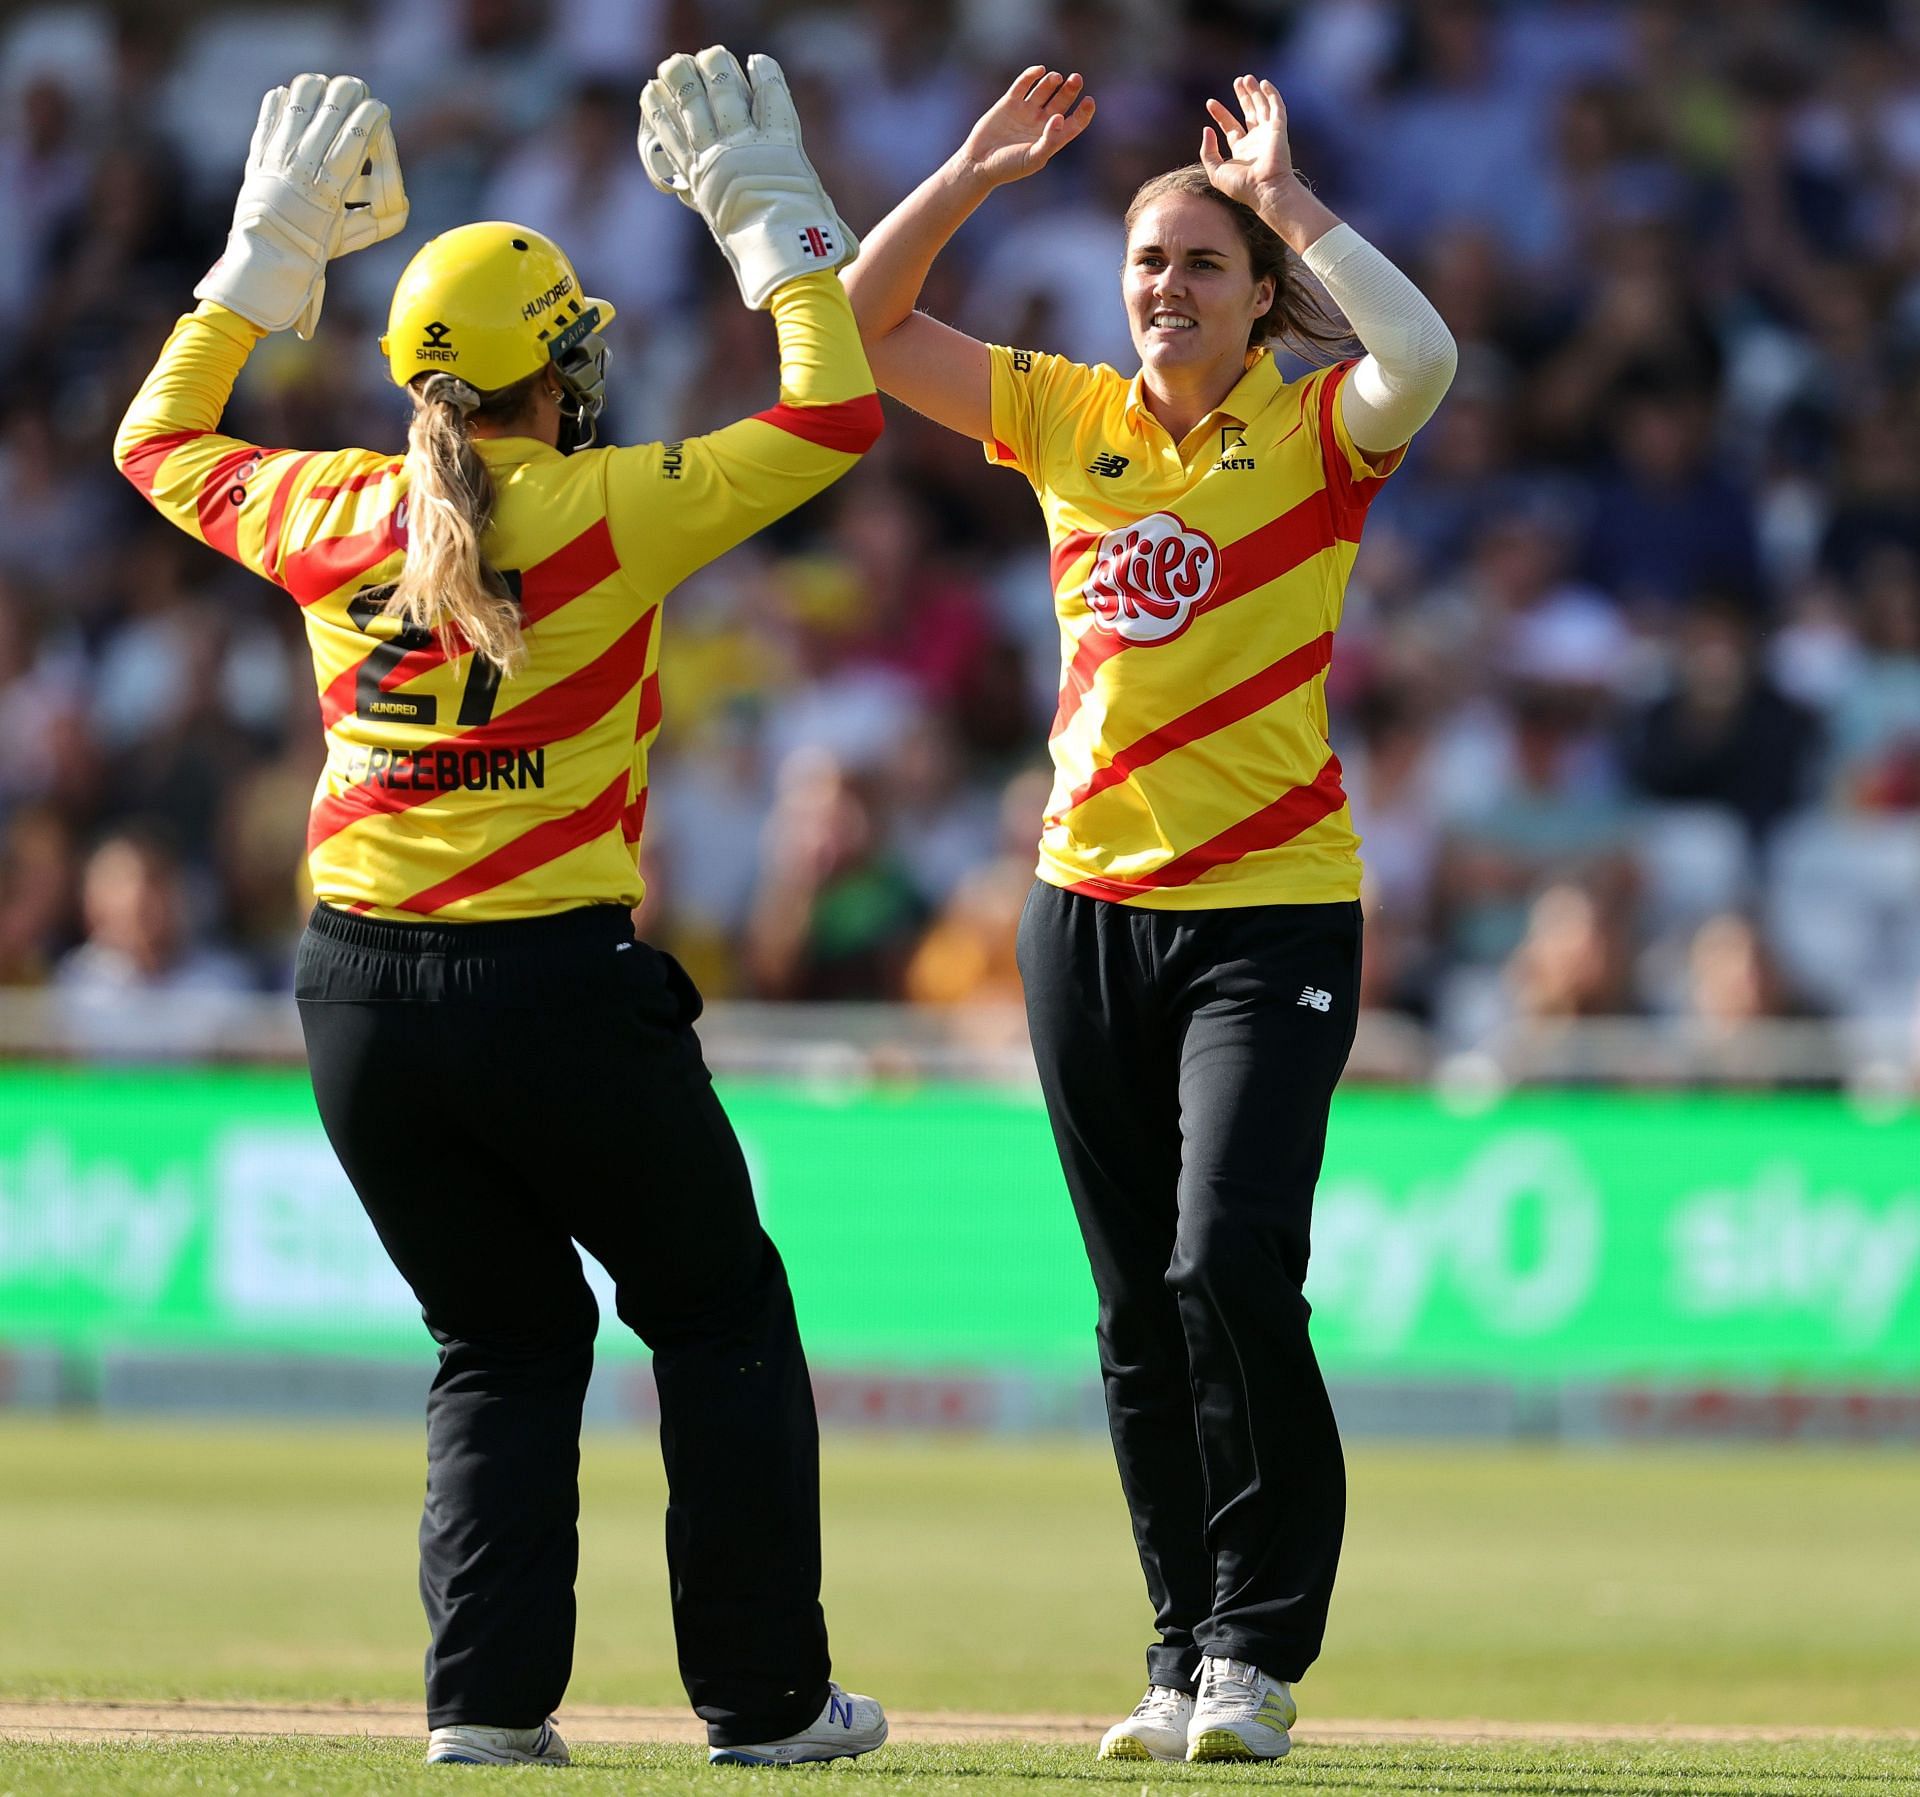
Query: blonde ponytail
x,y
447,585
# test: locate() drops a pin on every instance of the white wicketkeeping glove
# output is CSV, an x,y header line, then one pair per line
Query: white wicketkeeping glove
x,y
729,146
323,179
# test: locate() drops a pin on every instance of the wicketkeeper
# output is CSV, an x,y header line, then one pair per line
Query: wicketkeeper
x,y
503,1069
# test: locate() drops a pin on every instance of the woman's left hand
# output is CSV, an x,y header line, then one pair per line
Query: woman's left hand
x,y
1256,162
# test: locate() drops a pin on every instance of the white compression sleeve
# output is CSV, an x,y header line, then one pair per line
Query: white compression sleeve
x,y
1410,357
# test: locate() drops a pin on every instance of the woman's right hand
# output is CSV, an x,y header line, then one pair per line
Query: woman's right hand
x,y
1018,135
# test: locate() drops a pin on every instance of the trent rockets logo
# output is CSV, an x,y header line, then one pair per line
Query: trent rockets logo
x,y
1149,578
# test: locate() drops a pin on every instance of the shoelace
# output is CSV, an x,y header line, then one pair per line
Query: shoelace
x,y
1230,1684
1161,1704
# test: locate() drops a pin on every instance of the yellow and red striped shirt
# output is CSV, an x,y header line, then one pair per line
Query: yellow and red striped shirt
x,y
1198,586
448,793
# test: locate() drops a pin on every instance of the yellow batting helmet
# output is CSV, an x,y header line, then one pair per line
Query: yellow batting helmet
x,y
494,303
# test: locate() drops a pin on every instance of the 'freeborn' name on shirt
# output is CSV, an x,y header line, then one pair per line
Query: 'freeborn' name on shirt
x,y
447,770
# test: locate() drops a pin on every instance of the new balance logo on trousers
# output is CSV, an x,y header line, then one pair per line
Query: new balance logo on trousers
x,y
1315,999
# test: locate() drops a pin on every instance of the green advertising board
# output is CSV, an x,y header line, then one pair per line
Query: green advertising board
x,y
1548,1237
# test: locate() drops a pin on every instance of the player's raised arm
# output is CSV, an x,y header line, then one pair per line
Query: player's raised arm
x,y
322,180
934,368
1411,355
727,144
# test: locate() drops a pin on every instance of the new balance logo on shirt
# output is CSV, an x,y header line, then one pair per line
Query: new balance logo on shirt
x,y
1315,999
1107,463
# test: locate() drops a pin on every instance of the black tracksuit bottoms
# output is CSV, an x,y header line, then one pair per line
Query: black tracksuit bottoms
x,y
1188,1060
497,1093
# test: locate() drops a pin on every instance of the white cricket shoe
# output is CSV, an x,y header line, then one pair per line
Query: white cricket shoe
x,y
849,1725
1157,1729
469,1744
1241,1714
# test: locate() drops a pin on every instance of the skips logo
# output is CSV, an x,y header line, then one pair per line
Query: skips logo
x,y
1148,579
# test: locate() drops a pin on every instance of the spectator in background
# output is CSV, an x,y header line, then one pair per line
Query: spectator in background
x,y
1672,518
915,99
1733,979
917,611
945,825
260,856
703,838
52,506
1734,988
1876,490
1635,325
1723,733
1530,792
1459,139
1575,959
1876,721
38,880
1779,213
836,916
1467,477
967,955
42,686
140,985
474,79
842,700
1390,781
44,169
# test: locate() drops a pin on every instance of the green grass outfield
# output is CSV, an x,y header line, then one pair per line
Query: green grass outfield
x,y
1741,1587
345,1769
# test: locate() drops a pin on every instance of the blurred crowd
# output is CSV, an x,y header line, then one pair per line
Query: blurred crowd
x,y
1628,688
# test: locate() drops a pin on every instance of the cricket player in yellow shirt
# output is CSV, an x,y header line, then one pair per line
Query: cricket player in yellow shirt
x,y
1191,948
502,1068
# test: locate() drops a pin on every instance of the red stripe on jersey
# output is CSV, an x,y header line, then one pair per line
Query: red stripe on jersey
x,y
1348,498
649,719
277,515
142,465
852,426
1256,692
634,819
218,509
1005,452
333,489
326,566
533,848
1067,551
1294,811
565,709
1276,548
577,566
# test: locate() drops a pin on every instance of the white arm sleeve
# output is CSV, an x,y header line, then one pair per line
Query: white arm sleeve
x,y
1410,357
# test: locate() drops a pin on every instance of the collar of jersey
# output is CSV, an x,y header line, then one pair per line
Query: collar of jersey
x,y
1250,393
512,450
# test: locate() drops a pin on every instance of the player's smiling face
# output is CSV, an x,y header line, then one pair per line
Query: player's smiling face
x,y
1190,292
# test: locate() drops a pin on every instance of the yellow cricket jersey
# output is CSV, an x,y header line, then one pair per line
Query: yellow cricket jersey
x,y
447,792
1198,586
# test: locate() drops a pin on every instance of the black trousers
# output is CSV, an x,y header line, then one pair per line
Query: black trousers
x,y
1188,1059
497,1093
